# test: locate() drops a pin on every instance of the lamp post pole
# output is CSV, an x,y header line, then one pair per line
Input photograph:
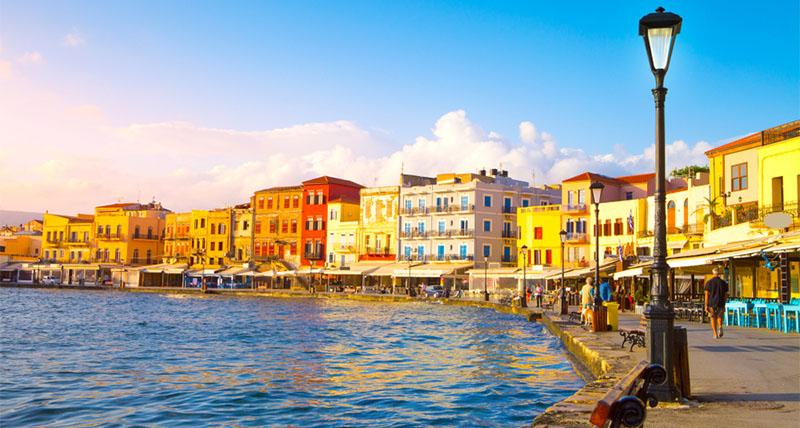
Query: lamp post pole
x,y
597,192
485,278
564,308
523,287
659,30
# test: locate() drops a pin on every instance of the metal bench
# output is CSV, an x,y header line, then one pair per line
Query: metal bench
x,y
624,403
634,336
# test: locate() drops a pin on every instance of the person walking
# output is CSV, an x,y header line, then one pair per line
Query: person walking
x,y
605,290
538,292
716,293
586,298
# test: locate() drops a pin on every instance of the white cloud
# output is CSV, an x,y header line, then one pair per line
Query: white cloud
x,y
79,160
73,39
30,58
5,70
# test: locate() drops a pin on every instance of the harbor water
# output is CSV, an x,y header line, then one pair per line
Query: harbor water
x,y
103,358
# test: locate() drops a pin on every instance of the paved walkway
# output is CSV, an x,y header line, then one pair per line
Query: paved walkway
x,y
749,377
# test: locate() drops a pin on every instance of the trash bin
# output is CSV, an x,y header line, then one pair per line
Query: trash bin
x,y
612,317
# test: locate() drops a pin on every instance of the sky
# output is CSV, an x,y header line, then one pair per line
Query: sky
x,y
198,104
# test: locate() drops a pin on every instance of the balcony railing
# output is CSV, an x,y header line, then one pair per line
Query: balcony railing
x,y
77,242
108,236
694,229
444,209
414,211
147,237
414,233
510,234
509,210
344,248
577,237
373,250
451,257
790,208
314,255
573,208
508,259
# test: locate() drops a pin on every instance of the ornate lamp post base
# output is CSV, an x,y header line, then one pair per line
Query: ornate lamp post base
x,y
660,337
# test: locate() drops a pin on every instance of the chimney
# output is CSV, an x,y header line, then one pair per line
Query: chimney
x,y
494,171
483,172
505,173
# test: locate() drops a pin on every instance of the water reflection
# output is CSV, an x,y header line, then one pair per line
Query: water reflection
x,y
81,358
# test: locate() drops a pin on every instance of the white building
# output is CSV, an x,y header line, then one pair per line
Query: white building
x,y
463,217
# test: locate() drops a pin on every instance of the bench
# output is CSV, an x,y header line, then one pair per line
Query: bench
x,y
634,336
624,403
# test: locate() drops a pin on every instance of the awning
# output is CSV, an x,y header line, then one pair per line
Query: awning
x,y
508,271
235,271
356,269
154,268
680,243
201,272
176,269
636,270
389,268
739,254
784,248
691,261
429,270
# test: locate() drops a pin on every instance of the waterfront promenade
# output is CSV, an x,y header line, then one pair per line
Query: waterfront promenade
x,y
750,377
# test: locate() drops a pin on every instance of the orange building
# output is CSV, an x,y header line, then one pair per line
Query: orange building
x,y
129,233
276,224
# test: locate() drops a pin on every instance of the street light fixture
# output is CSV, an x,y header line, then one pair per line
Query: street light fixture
x,y
597,192
485,278
524,285
659,30
564,309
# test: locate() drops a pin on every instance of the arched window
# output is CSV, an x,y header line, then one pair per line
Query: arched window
x,y
105,255
119,231
116,255
671,217
108,230
685,212
149,254
135,256
136,232
149,233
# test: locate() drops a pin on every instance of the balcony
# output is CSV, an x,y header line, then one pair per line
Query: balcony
x,y
414,233
76,242
694,229
179,237
509,259
373,250
313,255
790,208
578,237
573,208
145,237
447,209
344,248
415,211
109,236
509,210
510,234
451,257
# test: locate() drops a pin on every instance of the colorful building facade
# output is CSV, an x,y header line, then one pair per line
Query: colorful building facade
x,y
316,194
277,222
378,225
129,233
67,239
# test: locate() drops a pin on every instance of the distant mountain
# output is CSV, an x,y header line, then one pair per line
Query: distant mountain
x,y
15,218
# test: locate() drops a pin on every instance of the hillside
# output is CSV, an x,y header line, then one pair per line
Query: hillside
x,y
15,218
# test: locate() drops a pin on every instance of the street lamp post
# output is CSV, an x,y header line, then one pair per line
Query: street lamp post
x,y
659,30
485,278
564,309
597,191
523,286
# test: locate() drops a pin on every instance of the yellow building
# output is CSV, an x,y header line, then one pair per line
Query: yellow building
x,y
177,238
25,246
67,239
752,177
378,223
129,233
242,220
277,224
540,228
211,238
343,230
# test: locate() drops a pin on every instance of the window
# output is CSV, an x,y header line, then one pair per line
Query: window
x,y
462,251
607,228
739,177
245,225
525,203
421,251
487,201
99,229
464,202
333,214
628,196
213,228
421,203
294,226
570,198
487,250
221,229
441,226
581,197
269,203
548,257
213,245
258,227
202,223
119,230
487,226
285,226
408,206
421,227
537,233
618,227
537,257
286,201
295,201
261,202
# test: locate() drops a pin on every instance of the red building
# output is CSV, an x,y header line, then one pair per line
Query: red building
x,y
316,194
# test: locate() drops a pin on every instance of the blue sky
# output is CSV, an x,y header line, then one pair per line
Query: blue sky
x,y
389,81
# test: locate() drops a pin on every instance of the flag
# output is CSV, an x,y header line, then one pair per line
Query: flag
x,y
630,222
